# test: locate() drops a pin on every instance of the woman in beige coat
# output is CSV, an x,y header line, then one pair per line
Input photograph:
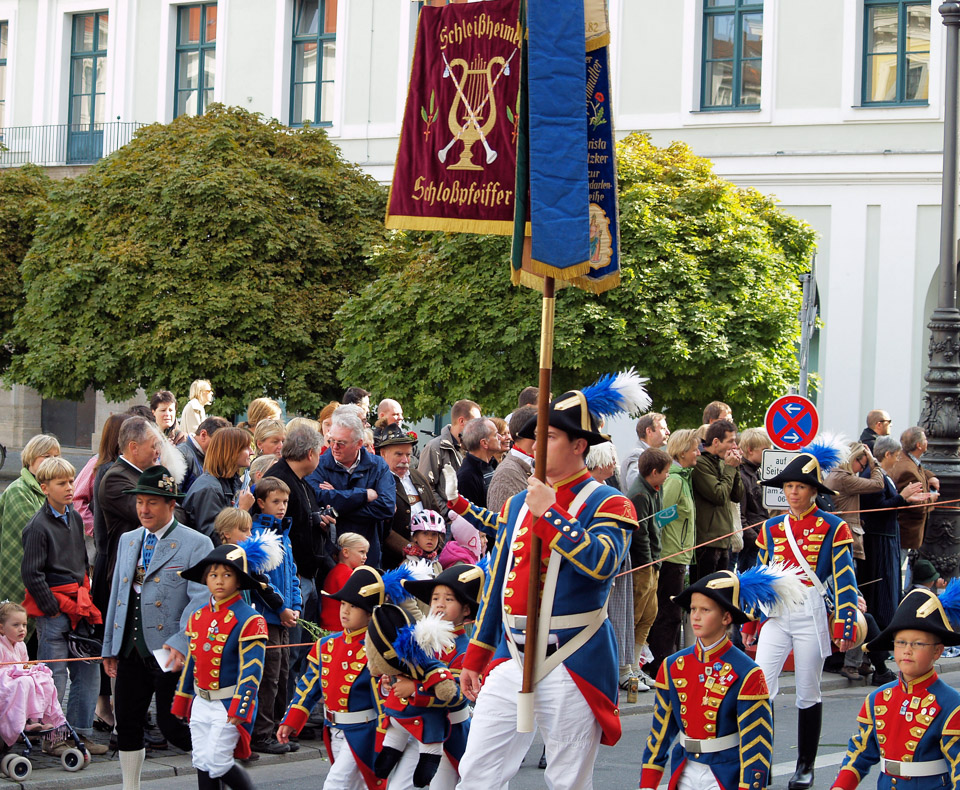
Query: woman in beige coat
x,y
845,479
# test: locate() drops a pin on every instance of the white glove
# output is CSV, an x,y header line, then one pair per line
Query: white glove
x,y
450,491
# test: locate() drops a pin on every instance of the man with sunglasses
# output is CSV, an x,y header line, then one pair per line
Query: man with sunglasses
x,y
878,424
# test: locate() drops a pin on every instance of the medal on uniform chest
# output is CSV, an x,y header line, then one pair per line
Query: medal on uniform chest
x,y
206,647
213,630
915,703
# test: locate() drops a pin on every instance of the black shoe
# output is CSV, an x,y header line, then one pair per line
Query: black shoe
x,y
426,769
252,758
386,761
809,722
882,678
294,746
237,779
269,746
100,725
154,740
542,765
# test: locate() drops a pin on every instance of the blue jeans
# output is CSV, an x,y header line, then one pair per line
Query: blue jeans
x,y
84,675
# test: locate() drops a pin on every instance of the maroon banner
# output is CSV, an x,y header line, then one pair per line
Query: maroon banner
x,y
457,159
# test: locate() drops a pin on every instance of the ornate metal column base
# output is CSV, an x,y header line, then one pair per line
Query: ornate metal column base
x,y
940,419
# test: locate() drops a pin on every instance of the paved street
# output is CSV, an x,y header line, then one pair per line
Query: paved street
x,y
617,767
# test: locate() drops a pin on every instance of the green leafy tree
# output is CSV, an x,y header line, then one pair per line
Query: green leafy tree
x,y
23,195
707,307
213,247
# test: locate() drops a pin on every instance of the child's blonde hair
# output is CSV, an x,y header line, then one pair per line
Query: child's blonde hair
x,y
55,468
353,540
261,464
8,608
229,519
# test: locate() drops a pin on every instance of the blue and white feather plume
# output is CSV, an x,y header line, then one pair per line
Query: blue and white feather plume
x,y
393,584
830,450
612,394
434,634
950,601
774,589
264,550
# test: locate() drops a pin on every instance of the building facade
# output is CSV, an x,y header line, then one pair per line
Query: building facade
x,y
832,106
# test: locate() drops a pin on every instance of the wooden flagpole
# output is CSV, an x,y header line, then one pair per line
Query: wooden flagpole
x,y
525,698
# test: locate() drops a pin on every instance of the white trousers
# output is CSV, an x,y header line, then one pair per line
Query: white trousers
x,y
804,632
344,774
495,749
213,738
402,776
697,776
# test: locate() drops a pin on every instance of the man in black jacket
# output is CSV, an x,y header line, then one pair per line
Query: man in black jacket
x,y
878,424
309,531
480,440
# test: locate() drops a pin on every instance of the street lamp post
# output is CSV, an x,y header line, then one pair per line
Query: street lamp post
x,y
940,417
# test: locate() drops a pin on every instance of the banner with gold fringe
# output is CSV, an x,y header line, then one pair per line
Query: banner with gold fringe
x,y
456,161
600,271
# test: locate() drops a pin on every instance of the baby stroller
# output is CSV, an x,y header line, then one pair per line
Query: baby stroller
x,y
16,764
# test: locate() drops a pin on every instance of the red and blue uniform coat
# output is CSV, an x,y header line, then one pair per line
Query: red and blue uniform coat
x,y
591,548
228,640
337,671
824,540
708,694
906,722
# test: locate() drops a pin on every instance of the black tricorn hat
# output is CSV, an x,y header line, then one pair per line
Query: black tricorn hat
x,y
156,481
570,414
385,626
364,588
920,610
232,556
805,468
722,587
466,581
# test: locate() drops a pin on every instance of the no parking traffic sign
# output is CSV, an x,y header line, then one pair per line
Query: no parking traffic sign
x,y
792,422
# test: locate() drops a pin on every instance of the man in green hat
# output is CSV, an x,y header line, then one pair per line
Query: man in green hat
x,y
150,604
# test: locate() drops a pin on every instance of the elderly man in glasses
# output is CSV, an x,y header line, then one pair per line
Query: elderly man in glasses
x,y
355,482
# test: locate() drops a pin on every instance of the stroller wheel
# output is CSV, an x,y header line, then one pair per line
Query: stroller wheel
x,y
19,768
72,760
5,762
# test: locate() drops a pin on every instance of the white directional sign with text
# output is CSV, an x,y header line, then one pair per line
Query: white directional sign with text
x,y
772,464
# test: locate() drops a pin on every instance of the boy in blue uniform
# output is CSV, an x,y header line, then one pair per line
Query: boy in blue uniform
x,y
218,686
711,697
337,671
911,727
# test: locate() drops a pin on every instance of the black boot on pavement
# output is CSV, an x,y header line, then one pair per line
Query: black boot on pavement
x,y
809,722
237,779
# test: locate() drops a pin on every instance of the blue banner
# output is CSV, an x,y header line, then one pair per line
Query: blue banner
x,y
559,199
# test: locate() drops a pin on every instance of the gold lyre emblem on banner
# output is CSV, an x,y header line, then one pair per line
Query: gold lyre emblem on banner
x,y
473,113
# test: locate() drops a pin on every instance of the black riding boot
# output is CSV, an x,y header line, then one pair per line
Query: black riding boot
x,y
237,779
809,722
386,761
204,782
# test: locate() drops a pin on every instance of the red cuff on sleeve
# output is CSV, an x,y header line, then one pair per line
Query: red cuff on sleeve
x,y
477,658
846,780
545,528
296,717
650,777
459,505
181,705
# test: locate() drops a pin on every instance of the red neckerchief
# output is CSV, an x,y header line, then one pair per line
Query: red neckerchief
x,y
413,550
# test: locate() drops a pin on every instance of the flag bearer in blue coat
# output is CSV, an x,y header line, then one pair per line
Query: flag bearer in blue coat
x,y
712,698
585,528
228,639
911,727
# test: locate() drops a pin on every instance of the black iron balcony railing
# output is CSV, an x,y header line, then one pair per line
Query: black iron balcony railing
x,y
63,144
